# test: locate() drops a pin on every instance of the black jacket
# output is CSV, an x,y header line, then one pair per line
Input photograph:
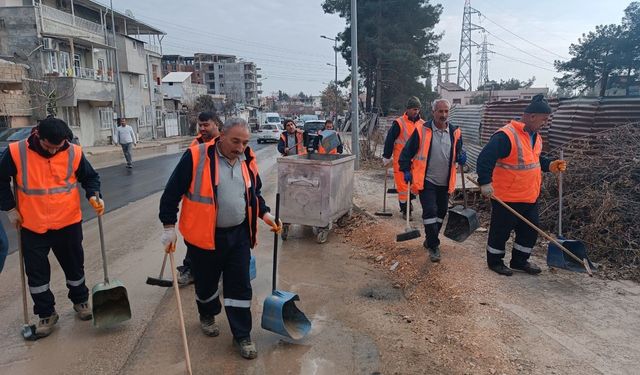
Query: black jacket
x,y
86,175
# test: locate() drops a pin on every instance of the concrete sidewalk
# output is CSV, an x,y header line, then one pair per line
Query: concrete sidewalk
x,y
103,156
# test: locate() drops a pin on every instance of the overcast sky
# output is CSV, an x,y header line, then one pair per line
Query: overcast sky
x,y
283,36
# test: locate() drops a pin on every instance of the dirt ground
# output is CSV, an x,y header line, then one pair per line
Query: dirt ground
x,y
465,319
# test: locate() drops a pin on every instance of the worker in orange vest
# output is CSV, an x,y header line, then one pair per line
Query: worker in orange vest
x,y
397,136
208,128
328,125
291,140
219,187
510,167
46,169
429,161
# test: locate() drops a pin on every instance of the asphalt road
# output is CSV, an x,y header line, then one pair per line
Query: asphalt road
x,y
121,186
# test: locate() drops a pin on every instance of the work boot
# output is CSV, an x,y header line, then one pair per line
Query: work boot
x,y
186,277
247,347
83,310
209,326
403,211
45,325
434,254
501,269
528,267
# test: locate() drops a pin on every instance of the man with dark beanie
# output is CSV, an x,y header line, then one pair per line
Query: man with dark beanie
x,y
46,170
510,168
401,130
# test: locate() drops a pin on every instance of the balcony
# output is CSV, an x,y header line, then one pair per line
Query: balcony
x,y
60,23
153,49
84,84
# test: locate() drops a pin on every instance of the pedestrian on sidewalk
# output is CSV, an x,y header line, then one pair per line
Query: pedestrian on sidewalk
x,y
397,136
328,125
46,169
208,127
219,186
429,161
126,138
291,140
510,167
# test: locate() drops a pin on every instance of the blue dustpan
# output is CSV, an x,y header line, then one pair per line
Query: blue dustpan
x,y
557,258
279,313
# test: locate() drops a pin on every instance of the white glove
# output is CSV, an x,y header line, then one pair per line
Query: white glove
x,y
487,190
14,216
169,239
270,220
386,162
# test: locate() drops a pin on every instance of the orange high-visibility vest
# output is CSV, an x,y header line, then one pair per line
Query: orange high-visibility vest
x,y
517,177
299,142
196,141
419,163
199,206
406,129
48,196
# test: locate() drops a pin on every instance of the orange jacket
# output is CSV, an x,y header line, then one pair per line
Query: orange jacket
x,y
199,206
419,164
517,177
406,129
47,187
299,143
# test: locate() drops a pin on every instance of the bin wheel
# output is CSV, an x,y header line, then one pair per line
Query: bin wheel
x,y
285,232
344,220
323,235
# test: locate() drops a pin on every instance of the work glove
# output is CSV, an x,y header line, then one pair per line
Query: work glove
x,y
386,162
407,176
169,238
14,216
558,166
270,220
462,157
487,190
97,204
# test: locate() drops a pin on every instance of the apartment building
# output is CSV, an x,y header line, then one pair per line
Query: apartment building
x,y
224,75
69,49
15,106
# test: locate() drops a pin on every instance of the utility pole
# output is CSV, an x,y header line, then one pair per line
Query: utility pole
x,y
116,77
335,65
484,61
355,126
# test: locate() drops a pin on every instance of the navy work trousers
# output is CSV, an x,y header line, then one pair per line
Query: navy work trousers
x,y
66,244
231,259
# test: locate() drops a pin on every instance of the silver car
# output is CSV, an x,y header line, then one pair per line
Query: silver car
x,y
269,133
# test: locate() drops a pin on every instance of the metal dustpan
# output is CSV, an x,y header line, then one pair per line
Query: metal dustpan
x,y
462,221
109,299
280,313
558,258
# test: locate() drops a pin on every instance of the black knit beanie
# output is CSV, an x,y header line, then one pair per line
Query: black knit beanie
x,y
413,102
538,105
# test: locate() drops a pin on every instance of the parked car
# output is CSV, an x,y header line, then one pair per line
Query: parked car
x,y
269,133
311,129
11,135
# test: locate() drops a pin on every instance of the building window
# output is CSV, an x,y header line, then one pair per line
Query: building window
x,y
65,64
158,118
147,112
210,67
145,81
106,118
76,64
220,66
457,101
52,62
212,86
212,77
221,76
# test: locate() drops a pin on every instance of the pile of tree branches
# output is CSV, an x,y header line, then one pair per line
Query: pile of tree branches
x,y
601,199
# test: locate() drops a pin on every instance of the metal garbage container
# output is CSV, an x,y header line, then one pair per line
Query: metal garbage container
x,y
315,190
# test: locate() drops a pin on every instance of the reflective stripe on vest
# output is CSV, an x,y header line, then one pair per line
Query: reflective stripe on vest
x,y
197,186
520,151
403,138
22,148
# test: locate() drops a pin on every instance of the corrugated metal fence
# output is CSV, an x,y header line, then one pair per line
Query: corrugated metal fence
x,y
572,119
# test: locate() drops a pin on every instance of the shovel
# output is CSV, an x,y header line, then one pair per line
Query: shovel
x,y
555,256
28,330
280,314
409,233
384,211
584,261
110,301
462,221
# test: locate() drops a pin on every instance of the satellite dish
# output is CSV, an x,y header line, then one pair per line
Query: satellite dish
x,y
129,13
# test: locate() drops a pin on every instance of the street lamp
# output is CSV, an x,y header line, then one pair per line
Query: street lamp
x,y
335,65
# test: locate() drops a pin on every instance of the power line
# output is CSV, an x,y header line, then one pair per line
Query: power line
x,y
522,61
518,48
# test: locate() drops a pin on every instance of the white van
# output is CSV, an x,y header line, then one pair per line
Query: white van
x,y
270,118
